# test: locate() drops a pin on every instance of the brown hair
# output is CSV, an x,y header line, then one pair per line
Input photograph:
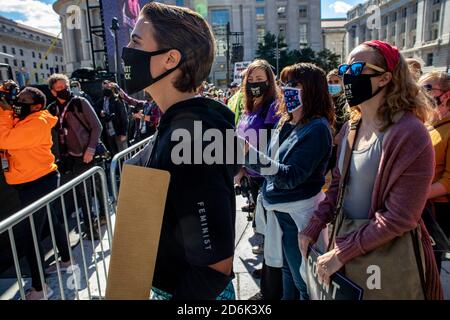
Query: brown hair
x,y
315,97
402,93
185,30
272,93
334,72
34,96
55,78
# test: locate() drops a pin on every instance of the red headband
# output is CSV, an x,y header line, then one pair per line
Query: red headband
x,y
390,53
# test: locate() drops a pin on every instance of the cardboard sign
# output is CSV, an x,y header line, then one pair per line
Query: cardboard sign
x,y
140,209
340,288
240,67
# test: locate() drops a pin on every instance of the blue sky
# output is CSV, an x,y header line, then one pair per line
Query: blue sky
x,y
39,13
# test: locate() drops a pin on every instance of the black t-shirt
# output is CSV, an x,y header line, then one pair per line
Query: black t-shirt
x,y
199,219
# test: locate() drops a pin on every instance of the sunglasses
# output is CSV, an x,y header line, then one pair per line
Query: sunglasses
x,y
429,87
357,67
291,84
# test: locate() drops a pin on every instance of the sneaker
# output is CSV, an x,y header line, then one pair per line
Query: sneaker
x,y
257,296
258,249
63,267
32,294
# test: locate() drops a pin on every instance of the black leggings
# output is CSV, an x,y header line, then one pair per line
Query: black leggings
x,y
29,193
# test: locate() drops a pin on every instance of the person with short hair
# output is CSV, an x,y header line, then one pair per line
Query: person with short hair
x,y
196,247
75,87
78,131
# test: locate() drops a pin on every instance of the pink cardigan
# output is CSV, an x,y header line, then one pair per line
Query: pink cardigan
x,y
399,195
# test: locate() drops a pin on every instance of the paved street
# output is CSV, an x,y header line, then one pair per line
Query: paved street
x,y
245,262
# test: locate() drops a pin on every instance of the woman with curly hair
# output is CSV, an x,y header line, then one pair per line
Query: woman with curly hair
x,y
386,160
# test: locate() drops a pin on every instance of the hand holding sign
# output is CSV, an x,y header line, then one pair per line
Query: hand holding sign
x,y
327,265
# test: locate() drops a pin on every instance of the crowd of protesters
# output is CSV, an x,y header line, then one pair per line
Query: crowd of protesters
x,y
376,125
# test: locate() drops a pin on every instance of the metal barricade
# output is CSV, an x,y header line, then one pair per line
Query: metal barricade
x,y
117,164
91,253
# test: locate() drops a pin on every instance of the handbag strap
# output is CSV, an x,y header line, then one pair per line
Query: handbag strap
x,y
416,245
339,216
439,125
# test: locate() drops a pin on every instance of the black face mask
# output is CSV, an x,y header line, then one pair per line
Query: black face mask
x,y
21,110
63,94
107,93
137,68
359,88
257,89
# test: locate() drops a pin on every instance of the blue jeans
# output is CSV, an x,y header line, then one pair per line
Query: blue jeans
x,y
293,284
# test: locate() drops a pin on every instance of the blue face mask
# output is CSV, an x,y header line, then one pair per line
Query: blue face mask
x,y
292,98
334,89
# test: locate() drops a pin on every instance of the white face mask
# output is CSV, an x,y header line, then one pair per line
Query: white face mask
x,y
76,91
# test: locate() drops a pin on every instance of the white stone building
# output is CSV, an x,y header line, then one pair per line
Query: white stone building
x,y
33,54
419,28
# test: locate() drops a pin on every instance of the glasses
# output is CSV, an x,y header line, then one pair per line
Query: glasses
x,y
429,87
357,67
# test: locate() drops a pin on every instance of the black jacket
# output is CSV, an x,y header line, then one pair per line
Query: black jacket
x,y
117,114
199,219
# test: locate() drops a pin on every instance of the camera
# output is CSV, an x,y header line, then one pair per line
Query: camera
x,y
9,91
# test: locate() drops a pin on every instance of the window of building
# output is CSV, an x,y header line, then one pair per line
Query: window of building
x,y
15,62
385,20
40,55
303,11
62,68
21,52
33,54
414,24
281,11
42,76
394,17
260,33
34,65
415,7
61,59
46,66
6,60
13,50
436,15
430,59
403,42
436,1
404,12
414,39
41,66
56,57
393,30
36,77
23,64
260,13
303,28
5,50
403,28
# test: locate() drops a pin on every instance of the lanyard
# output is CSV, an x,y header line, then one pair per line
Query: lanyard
x,y
63,114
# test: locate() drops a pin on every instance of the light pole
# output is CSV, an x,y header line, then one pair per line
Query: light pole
x,y
115,27
277,52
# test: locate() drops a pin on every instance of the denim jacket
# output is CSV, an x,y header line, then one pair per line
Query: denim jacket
x,y
296,169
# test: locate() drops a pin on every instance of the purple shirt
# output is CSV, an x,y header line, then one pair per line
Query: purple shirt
x,y
251,122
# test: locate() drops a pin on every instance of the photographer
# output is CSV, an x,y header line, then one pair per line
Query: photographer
x,y
29,166
79,132
113,115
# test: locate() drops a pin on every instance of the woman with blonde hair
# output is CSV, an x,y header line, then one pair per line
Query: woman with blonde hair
x,y
437,84
386,161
